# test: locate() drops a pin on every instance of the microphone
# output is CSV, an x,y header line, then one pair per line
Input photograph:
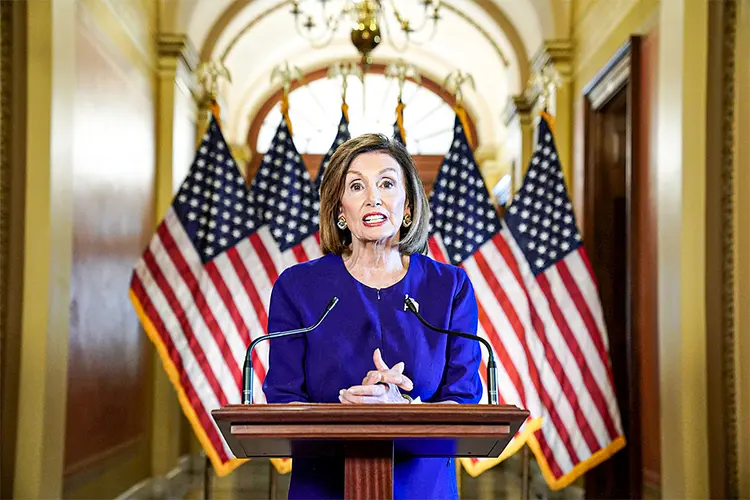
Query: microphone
x,y
412,306
247,372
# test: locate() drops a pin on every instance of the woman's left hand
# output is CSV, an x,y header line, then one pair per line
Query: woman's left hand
x,y
374,390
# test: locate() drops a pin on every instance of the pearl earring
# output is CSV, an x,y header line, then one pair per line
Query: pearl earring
x,y
341,222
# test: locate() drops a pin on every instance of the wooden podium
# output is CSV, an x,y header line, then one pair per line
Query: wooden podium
x,y
368,436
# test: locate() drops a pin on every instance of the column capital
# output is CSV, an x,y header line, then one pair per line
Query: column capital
x,y
518,105
175,48
557,53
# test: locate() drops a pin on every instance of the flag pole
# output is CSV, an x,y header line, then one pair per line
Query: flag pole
x,y
525,474
207,478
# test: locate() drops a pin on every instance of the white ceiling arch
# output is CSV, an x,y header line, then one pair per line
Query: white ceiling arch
x,y
535,20
257,35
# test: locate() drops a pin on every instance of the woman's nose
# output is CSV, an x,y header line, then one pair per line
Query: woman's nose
x,y
374,199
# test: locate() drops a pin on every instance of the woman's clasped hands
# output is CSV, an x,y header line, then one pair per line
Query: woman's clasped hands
x,y
380,386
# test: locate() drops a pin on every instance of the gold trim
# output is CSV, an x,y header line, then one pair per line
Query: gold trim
x,y
6,96
14,107
5,170
729,29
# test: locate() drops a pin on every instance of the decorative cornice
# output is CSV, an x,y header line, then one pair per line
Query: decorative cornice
x,y
173,47
517,105
558,53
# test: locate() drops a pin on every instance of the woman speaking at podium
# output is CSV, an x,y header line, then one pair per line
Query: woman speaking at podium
x,y
374,220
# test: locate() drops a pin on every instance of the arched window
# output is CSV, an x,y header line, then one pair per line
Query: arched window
x,y
315,110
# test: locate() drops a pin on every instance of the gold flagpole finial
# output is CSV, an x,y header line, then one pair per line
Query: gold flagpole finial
x,y
286,74
344,70
454,83
541,83
401,71
209,73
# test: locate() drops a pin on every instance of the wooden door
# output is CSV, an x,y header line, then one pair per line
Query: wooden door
x,y
620,241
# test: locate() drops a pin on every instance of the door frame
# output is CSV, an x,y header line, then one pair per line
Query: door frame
x,y
621,73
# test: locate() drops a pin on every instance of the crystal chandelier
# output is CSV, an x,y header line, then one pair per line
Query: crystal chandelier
x,y
370,21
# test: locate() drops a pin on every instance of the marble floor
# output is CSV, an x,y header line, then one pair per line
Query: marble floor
x,y
258,479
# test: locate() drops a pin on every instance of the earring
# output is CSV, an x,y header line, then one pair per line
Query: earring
x,y
407,220
341,222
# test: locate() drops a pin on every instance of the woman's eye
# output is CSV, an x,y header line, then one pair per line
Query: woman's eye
x,y
356,186
386,184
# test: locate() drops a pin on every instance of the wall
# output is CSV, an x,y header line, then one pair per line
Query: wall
x,y
108,415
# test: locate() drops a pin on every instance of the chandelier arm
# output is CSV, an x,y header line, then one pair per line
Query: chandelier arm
x,y
330,27
390,37
420,43
424,19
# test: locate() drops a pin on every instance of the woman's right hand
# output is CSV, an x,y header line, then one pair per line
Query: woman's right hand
x,y
384,375
380,385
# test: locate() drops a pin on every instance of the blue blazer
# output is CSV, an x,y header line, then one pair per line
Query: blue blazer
x,y
338,354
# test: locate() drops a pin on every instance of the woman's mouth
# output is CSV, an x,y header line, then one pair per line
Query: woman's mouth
x,y
374,220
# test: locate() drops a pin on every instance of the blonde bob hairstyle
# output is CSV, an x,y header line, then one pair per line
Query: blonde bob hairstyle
x,y
412,239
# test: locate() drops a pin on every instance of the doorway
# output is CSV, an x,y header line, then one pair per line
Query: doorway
x,y
620,240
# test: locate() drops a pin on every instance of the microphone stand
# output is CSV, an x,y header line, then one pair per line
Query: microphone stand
x,y
491,369
247,371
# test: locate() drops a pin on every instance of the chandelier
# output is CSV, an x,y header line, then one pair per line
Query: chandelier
x,y
370,20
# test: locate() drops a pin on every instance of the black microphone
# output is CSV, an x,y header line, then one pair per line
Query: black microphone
x,y
491,372
247,372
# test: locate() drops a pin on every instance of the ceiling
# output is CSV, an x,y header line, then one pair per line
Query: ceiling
x,y
490,39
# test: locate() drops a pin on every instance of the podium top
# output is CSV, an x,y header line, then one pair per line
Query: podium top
x,y
308,413
284,430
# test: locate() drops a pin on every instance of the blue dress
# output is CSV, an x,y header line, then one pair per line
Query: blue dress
x,y
338,354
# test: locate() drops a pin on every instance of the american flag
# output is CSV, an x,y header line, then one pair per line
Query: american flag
x,y
342,135
538,307
203,285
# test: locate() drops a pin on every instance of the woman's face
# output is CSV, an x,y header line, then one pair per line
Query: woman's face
x,y
374,200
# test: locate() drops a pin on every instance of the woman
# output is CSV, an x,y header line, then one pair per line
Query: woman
x,y
374,219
